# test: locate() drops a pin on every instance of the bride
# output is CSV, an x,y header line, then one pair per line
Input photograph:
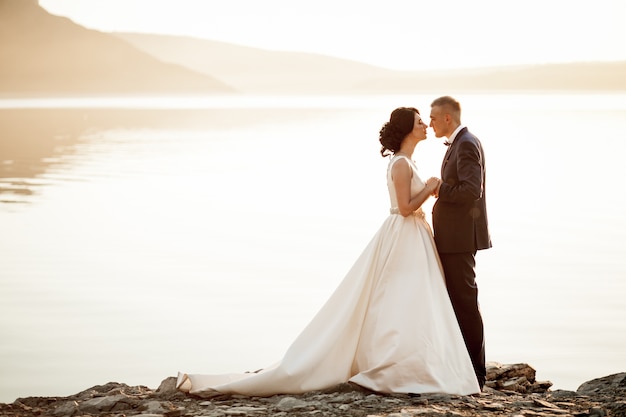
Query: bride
x,y
389,326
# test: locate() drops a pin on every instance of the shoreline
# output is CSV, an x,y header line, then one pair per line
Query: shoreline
x,y
510,390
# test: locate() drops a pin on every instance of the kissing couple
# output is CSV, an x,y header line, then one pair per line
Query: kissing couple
x,y
405,318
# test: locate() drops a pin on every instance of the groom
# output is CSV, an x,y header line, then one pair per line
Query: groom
x,y
460,222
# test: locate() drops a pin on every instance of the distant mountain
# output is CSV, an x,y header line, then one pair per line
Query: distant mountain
x,y
580,76
45,54
257,71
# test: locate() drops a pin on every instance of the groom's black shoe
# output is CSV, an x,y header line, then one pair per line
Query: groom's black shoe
x,y
481,382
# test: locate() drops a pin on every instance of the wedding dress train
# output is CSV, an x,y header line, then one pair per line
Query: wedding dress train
x,y
389,326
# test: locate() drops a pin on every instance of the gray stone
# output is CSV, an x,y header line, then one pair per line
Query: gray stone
x,y
610,383
99,404
291,403
168,385
154,407
65,409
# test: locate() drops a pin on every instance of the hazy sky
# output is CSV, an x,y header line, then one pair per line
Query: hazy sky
x,y
399,34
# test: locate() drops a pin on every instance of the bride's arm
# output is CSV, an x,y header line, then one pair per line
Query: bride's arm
x,y
401,174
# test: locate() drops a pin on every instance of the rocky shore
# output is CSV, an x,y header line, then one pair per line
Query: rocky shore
x,y
511,390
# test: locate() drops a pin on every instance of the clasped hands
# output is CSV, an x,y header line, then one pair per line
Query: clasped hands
x,y
433,184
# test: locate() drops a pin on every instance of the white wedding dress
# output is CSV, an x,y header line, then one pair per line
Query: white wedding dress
x,y
389,326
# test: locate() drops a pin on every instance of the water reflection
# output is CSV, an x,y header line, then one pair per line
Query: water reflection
x,y
36,144
32,143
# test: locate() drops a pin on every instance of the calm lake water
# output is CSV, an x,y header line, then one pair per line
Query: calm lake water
x,y
141,237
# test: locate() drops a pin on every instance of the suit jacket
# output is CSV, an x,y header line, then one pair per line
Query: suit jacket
x,y
460,212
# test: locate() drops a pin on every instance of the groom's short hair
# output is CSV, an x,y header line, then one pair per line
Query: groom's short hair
x,y
450,105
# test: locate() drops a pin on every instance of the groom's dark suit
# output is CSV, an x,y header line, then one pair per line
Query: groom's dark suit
x,y
460,229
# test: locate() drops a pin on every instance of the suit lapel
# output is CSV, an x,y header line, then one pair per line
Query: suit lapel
x,y
448,154
446,157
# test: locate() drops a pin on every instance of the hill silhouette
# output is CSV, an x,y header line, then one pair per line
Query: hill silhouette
x,y
43,54
46,54
577,76
254,70
261,71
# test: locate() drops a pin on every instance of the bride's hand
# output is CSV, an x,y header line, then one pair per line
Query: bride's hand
x,y
432,184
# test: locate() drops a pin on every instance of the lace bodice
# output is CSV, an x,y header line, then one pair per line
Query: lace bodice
x,y
417,185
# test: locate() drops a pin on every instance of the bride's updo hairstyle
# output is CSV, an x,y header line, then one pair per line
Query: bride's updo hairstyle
x,y
395,130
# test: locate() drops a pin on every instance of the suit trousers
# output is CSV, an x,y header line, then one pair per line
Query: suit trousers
x,y
460,276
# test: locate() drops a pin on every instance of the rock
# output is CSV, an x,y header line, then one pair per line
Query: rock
x,y
519,377
153,407
610,389
511,390
104,404
611,383
168,386
167,390
290,404
65,409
